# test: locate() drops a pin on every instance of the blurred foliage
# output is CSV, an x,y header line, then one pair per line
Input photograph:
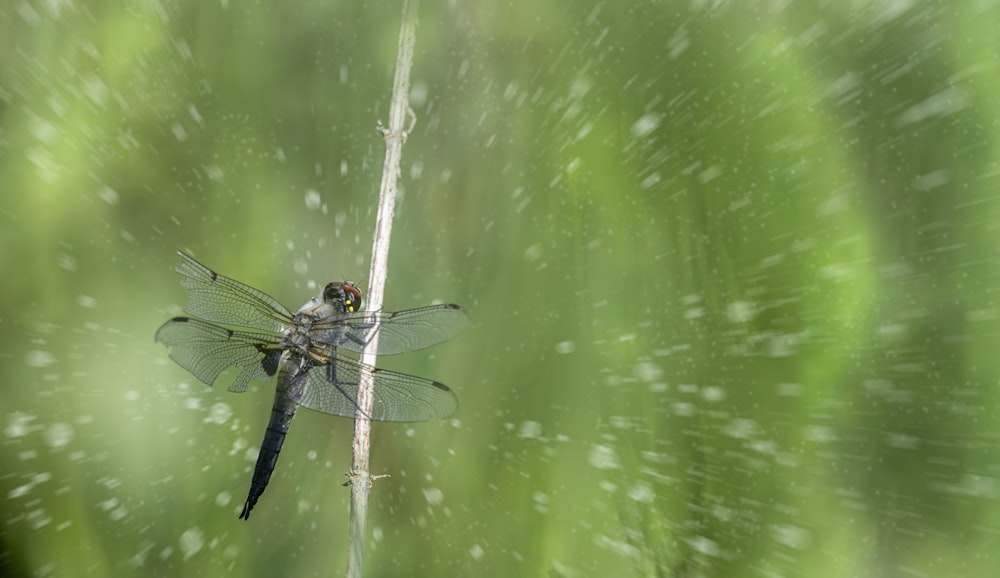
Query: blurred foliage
x,y
732,265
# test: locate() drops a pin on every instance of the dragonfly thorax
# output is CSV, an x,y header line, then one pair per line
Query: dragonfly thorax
x,y
297,334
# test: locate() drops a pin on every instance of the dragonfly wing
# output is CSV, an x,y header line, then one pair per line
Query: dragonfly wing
x,y
206,350
398,331
333,389
218,298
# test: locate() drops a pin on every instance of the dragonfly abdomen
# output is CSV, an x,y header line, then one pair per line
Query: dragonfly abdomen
x,y
281,418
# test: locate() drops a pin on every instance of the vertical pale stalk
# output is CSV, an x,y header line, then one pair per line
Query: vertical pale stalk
x,y
395,135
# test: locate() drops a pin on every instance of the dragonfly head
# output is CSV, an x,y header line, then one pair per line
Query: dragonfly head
x,y
344,297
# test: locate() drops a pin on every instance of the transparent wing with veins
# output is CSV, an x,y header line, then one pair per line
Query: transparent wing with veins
x,y
215,297
333,389
206,350
398,331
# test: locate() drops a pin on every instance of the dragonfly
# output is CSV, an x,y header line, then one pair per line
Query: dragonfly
x,y
230,324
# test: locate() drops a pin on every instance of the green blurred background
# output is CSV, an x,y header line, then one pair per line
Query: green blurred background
x,y
733,269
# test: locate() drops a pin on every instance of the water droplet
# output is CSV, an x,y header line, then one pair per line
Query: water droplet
x,y
541,500
313,200
646,124
39,358
191,542
739,311
17,425
791,536
641,492
434,496
533,253
476,551
19,491
67,262
530,429
219,413
565,347
603,457
648,371
704,545
58,435
108,195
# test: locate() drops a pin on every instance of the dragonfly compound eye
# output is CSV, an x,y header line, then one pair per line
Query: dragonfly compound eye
x,y
352,297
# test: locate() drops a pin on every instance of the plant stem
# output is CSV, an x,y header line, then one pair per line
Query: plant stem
x,y
394,135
